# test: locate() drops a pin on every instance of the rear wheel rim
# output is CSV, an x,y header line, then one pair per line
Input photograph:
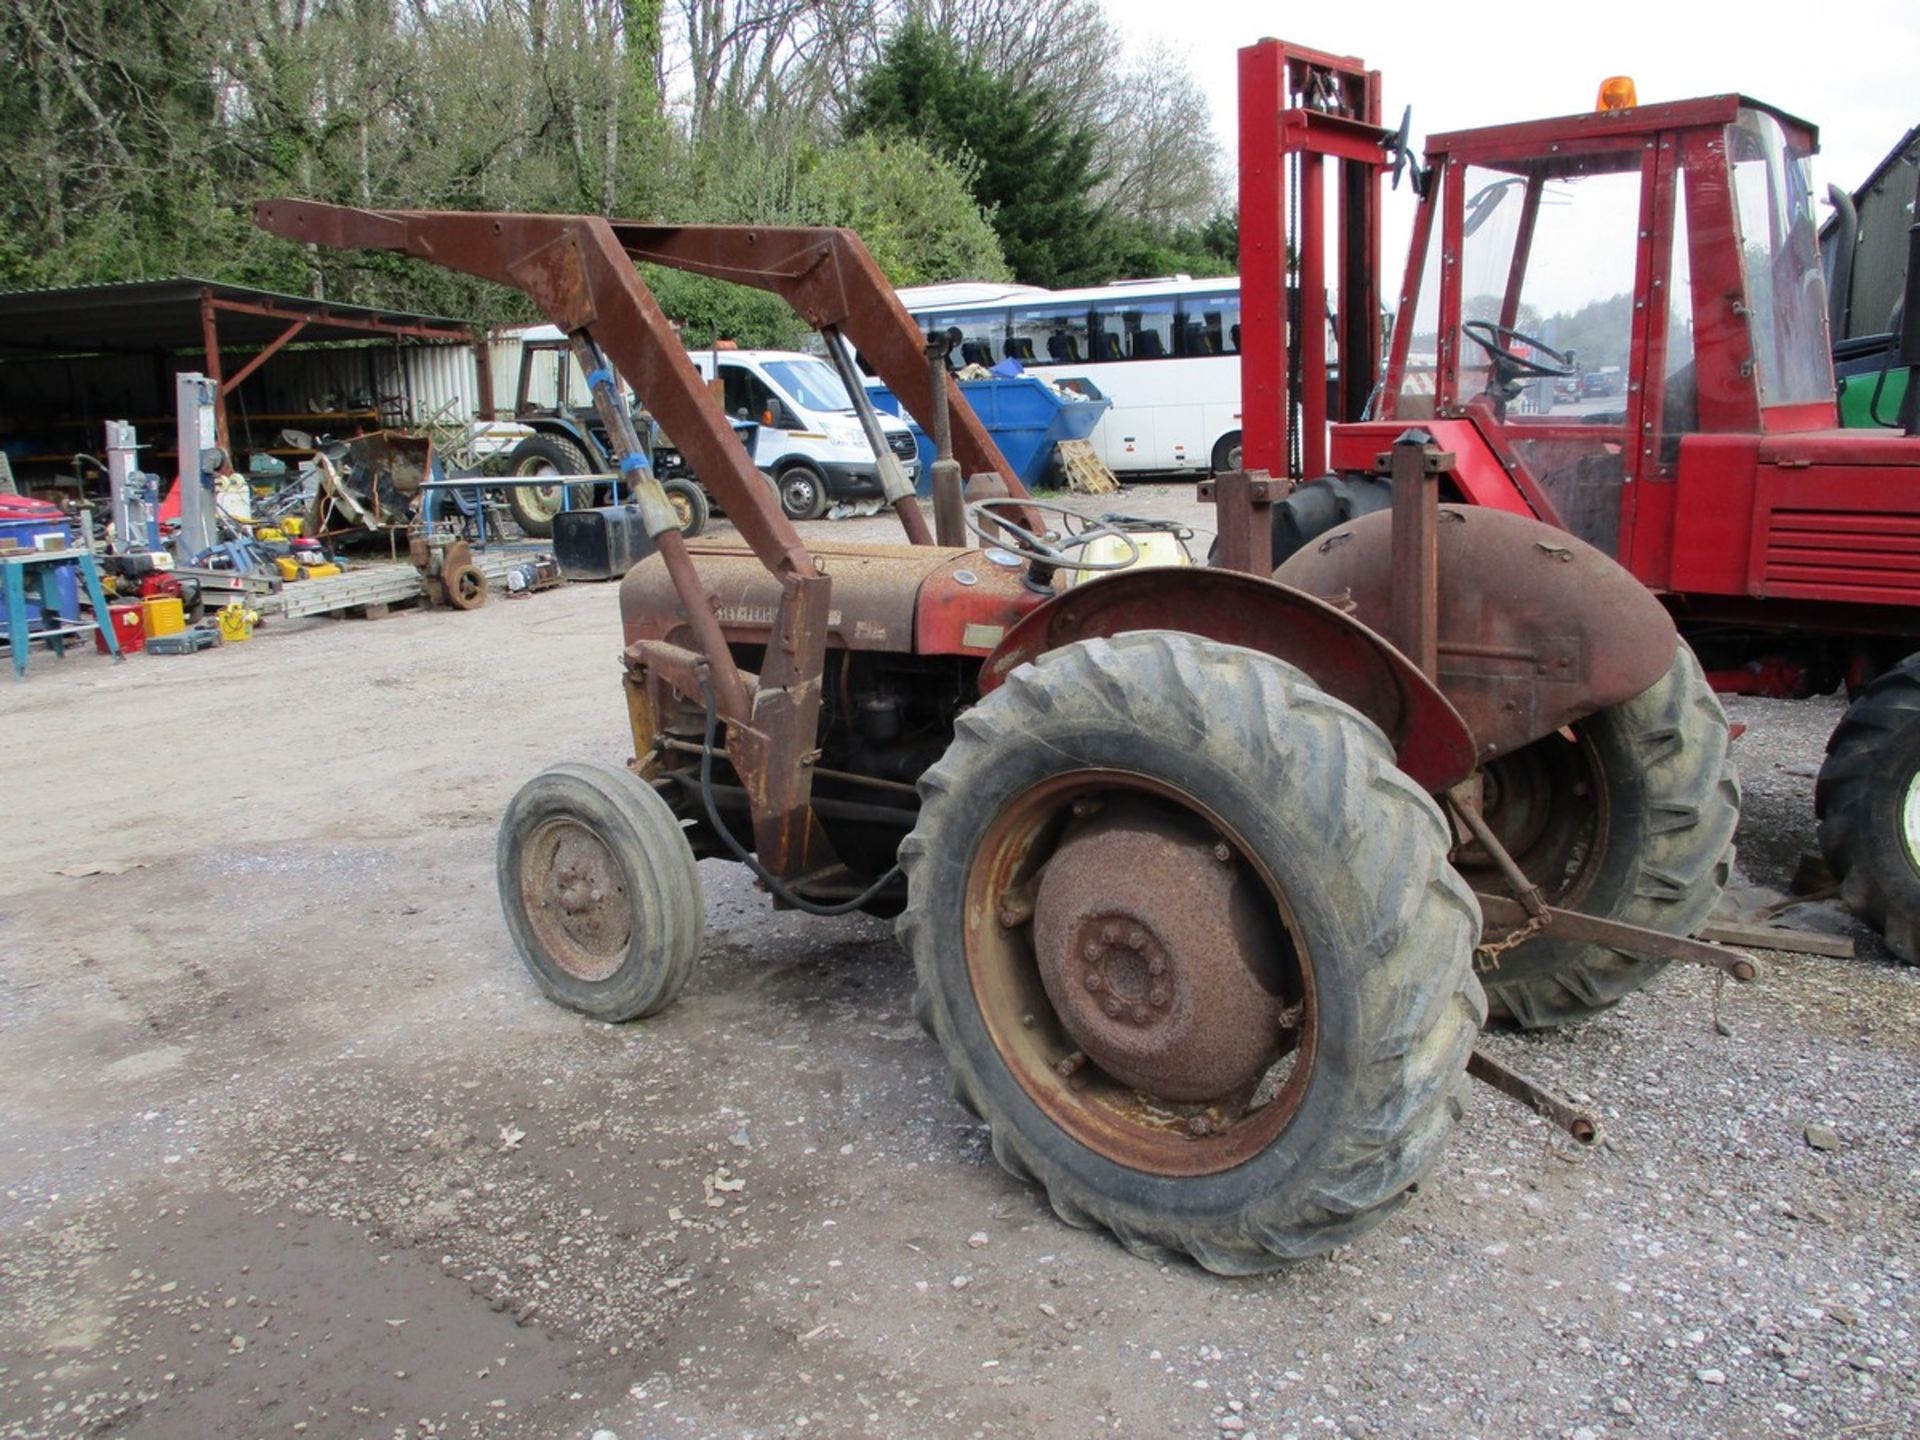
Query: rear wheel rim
x,y
540,500
1103,1114
1547,803
574,891
682,507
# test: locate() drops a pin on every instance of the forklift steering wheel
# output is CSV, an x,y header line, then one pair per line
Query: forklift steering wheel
x,y
992,521
1494,339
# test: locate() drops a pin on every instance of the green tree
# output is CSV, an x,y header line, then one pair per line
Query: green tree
x,y
912,208
1032,171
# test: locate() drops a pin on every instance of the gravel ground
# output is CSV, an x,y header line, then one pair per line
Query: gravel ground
x,y
293,1147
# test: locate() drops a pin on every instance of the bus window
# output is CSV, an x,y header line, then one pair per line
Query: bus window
x,y
1147,329
1106,332
1210,325
1047,335
981,333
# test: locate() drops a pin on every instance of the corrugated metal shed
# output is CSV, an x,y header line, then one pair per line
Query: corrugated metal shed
x,y
73,358
138,317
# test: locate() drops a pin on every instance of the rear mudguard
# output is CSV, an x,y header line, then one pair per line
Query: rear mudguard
x,y
1343,657
1537,629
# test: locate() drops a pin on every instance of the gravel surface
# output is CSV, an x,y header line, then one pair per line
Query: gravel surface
x,y
293,1147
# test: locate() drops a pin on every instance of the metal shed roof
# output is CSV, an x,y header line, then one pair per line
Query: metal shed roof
x,y
142,316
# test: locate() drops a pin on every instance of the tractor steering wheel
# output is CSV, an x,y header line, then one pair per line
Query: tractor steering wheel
x,y
1494,339
1051,550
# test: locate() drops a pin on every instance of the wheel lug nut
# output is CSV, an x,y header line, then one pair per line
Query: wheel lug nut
x,y
1114,1008
1094,982
1136,938
1110,933
1158,995
1139,1014
1091,949
1223,852
1156,966
1198,1125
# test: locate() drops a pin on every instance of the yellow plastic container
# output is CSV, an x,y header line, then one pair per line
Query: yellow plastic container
x,y
1156,548
236,623
163,615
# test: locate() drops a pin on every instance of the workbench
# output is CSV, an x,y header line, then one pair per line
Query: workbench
x,y
24,568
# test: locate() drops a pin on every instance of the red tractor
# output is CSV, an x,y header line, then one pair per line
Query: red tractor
x,y
1678,243
1200,874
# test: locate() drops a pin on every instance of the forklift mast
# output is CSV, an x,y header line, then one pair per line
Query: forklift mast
x,y
1300,109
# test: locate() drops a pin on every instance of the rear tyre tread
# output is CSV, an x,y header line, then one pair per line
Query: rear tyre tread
x,y
1679,737
1869,764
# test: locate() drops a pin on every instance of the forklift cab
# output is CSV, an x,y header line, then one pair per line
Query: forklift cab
x,y
1614,283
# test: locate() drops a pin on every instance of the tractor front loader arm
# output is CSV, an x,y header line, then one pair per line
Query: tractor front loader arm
x,y
575,270
831,280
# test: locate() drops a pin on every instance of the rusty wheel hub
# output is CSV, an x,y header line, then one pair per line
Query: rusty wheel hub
x,y
577,899
1150,945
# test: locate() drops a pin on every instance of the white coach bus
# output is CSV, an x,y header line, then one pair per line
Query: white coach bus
x,y
1166,352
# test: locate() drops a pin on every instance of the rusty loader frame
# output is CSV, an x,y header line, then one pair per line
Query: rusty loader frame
x,y
579,270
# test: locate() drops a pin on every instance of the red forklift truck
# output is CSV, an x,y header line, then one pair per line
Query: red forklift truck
x,y
1677,241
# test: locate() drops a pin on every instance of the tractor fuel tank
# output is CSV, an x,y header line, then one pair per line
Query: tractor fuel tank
x,y
921,599
1537,629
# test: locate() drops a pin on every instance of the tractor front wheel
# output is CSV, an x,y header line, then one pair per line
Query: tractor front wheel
x,y
1868,801
689,502
600,891
1631,819
1193,949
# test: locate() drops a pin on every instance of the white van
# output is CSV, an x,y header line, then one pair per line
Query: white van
x,y
810,440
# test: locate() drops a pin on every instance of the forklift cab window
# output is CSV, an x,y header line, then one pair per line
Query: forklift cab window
x,y
1542,342
1780,250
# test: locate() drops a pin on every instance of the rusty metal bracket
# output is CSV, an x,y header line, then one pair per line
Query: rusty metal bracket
x,y
1500,912
1548,1104
1244,500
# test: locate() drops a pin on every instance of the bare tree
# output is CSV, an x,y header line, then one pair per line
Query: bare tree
x,y
1161,163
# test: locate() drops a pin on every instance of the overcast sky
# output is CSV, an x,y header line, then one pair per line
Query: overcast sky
x,y
1852,67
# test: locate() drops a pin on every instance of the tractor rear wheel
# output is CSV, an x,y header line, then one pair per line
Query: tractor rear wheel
x,y
1631,820
1193,949
534,506
600,891
1868,802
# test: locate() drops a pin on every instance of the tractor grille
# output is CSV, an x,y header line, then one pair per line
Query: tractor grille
x,y
903,446
1864,556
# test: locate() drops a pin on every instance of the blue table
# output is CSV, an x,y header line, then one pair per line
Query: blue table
x,y
38,568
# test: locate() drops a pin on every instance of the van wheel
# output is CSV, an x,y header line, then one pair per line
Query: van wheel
x,y
803,492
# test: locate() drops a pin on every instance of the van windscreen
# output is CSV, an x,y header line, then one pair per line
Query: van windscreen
x,y
810,383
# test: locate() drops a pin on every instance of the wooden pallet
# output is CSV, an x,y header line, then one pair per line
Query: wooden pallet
x,y
1086,473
